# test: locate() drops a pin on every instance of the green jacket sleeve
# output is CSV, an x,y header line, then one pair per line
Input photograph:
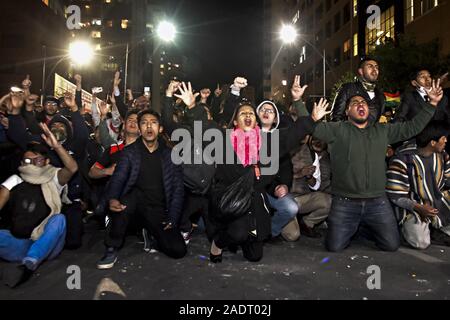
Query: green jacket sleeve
x,y
326,131
300,107
405,130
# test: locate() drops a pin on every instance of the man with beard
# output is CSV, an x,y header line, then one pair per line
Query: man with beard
x,y
366,87
357,150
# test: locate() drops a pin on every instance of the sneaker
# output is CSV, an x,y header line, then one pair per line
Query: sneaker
x,y
14,275
108,260
186,236
149,242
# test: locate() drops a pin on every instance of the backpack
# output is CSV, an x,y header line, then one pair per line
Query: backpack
x,y
198,177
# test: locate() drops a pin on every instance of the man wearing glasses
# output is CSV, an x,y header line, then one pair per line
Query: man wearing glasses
x,y
36,229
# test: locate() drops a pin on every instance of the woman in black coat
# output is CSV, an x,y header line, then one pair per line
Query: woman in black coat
x,y
252,227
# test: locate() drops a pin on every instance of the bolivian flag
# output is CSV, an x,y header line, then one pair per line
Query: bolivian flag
x,y
392,100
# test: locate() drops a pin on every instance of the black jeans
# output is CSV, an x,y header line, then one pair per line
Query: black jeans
x,y
374,216
237,233
137,212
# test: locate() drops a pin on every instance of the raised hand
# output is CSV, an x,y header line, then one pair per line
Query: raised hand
x,y
172,88
77,79
103,107
26,84
240,83
49,137
297,90
117,80
320,110
435,93
187,95
129,95
17,100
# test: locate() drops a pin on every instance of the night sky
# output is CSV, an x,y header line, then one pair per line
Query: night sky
x,y
221,39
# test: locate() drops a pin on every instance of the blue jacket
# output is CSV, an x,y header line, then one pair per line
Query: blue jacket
x,y
127,171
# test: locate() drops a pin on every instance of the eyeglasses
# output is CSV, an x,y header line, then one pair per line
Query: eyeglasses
x,y
38,161
269,111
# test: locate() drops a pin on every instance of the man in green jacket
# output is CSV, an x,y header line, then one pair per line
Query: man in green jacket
x,y
358,169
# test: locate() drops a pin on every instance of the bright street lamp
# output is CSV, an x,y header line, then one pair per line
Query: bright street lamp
x,y
81,52
166,31
288,34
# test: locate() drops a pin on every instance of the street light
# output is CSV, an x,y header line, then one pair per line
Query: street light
x,y
81,52
288,35
166,31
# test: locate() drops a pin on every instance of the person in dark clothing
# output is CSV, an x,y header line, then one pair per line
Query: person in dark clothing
x,y
253,227
146,190
357,151
73,135
366,87
421,81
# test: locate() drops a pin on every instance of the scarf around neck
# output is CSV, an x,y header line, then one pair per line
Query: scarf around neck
x,y
246,145
369,86
43,176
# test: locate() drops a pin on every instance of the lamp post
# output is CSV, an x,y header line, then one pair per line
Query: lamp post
x,y
288,35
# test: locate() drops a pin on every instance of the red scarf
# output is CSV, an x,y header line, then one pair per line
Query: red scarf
x,y
246,145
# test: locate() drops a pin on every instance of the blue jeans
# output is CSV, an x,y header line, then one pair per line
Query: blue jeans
x,y
286,209
48,246
374,216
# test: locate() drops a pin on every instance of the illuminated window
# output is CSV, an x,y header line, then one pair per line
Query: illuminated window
x,y
97,22
303,54
409,8
355,44
125,23
355,8
107,1
109,23
96,34
375,37
347,49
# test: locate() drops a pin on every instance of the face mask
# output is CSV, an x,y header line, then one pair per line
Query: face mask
x,y
422,90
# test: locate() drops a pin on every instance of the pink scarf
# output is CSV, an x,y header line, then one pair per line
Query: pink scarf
x,y
246,145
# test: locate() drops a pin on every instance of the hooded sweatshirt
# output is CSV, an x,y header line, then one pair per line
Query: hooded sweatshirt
x,y
358,155
277,114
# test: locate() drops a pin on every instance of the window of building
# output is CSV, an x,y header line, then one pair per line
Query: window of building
x,y
96,22
337,22
347,49
428,5
376,37
125,23
319,12
355,8
109,23
355,44
328,30
302,55
96,34
337,57
409,11
346,13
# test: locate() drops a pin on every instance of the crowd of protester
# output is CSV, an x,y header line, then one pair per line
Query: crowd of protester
x,y
65,164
